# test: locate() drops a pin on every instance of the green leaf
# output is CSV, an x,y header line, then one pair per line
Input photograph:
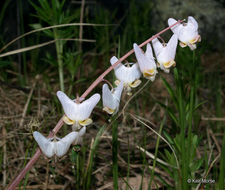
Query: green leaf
x,y
4,63
168,138
170,91
198,105
36,26
170,112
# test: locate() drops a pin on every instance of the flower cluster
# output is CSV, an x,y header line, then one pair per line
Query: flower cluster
x,y
78,111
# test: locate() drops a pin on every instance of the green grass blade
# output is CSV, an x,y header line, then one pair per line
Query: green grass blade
x,y
156,153
88,173
170,91
222,166
170,112
114,154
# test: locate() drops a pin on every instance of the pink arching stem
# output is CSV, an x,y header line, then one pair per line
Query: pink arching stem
x,y
35,157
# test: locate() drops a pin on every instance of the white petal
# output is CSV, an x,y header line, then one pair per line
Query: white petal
x,y
167,53
86,107
172,46
81,133
188,33
75,111
157,46
146,61
119,68
133,73
69,106
107,97
142,60
193,21
176,29
113,60
47,147
118,91
192,46
149,53
63,145
126,74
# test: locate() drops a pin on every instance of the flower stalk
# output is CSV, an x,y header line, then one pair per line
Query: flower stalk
x,y
35,157
59,51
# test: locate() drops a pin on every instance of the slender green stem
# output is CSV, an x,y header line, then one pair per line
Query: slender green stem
x,y
59,51
78,171
88,173
191,108
114,154
182,136
128,160
156,153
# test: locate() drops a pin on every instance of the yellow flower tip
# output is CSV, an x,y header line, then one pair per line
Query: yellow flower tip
x,y
182,44
117,82
135,83
173,63
195,40
149,73
169,64
86,122
129,93
68,121
108,110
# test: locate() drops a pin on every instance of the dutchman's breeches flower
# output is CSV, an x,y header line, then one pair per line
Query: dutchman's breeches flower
x,y
146,61
111,99
187,32
165,53
50,147
77,114
129,75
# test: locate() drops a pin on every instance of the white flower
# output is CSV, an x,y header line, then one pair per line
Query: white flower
x,y
129,74
80,135
146,61
77,114
165,53
111,99
58,148
187,32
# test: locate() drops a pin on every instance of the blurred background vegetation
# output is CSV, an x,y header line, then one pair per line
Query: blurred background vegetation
x,y
185,106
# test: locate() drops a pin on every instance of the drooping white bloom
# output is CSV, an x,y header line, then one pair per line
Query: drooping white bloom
x,y
80,135
111,99
187,32
58,148
77,114
165,53
146,61
129,74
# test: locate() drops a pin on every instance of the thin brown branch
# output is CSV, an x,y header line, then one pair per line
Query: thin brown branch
x,y
51,27
212,118
109,83
40,45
